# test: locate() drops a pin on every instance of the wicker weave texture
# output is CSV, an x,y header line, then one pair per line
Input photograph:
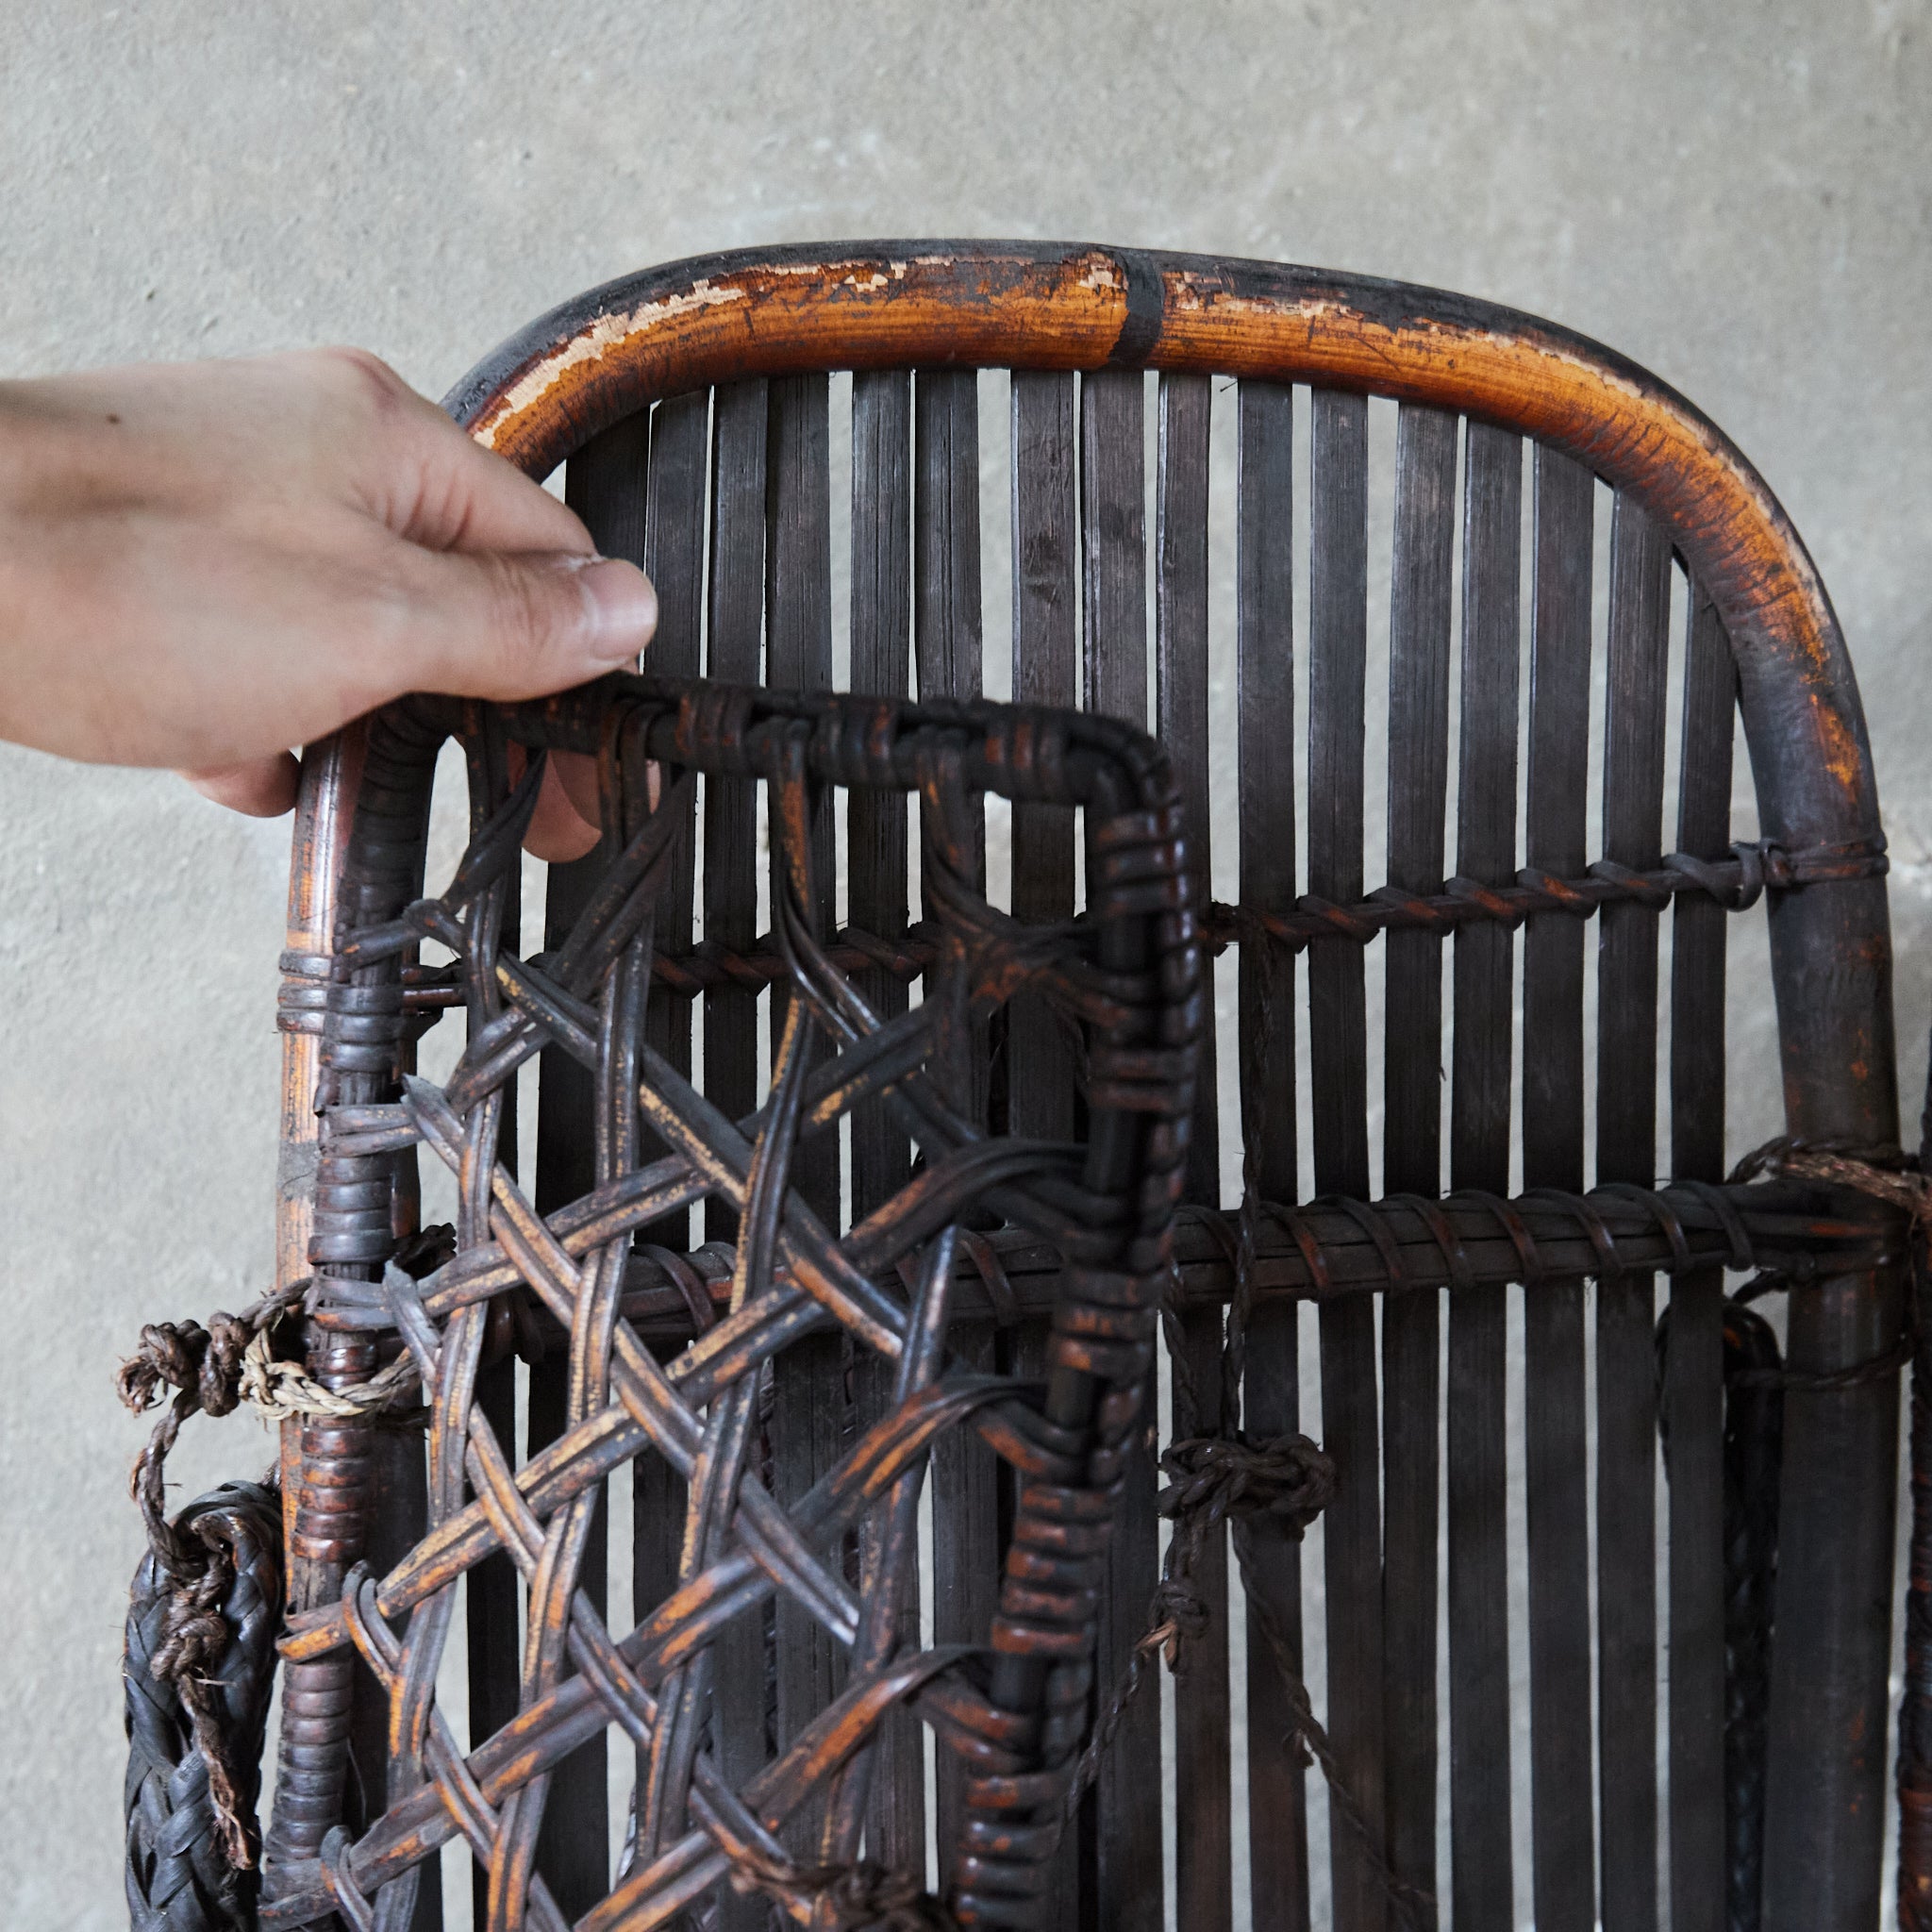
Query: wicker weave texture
x,y
782,1814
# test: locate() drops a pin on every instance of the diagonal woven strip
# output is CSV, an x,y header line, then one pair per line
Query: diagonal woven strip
x,y
1011,1707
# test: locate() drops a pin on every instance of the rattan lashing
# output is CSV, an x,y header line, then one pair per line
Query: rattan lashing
x,y
1127,976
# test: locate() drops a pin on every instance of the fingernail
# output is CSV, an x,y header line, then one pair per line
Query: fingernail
x,y
622,607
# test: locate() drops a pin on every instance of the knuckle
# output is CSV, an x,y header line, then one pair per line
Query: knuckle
x,y
362,377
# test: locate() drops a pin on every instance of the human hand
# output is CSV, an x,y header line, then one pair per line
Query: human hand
x,y
204,564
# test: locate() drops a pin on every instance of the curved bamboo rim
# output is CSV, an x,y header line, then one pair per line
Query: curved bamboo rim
x,y
1053,305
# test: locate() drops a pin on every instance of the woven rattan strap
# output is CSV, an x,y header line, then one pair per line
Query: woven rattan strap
x,y
1013,1708
198,1672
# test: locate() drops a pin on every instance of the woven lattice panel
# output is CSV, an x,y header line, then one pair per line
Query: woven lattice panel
x,y
726,1805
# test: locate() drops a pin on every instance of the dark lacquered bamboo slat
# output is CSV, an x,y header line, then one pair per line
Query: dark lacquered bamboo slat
x,y
735,653
1046,671
572,1852
809,1404
1277,1793
1483,961
1556,1423
881,663
1692,1392
876,888
1351,1525
798,647
1038,1079
1128,1866
949,638
1202,1848
1113,541
947,644
675,561
1421,591
1626,1151
947,630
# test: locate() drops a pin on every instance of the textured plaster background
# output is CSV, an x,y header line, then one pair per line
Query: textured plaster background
x,y
1738,196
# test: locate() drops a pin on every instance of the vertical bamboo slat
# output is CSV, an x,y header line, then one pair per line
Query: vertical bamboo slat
x,y
1278,1791
735,654
1113,554
1556,1428
1419,633
876,848
1693,1395
675,561
1203,1849
1040,1075
1479,1158
947,642
1351,1525
1626,1115
808,1419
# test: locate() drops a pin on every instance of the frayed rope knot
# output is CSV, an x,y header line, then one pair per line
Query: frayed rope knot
x,y
204,1363
866,1896
1177,1613
1285,1478
860,1897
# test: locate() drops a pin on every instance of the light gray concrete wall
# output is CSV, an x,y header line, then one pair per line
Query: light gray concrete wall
x,y
1737,195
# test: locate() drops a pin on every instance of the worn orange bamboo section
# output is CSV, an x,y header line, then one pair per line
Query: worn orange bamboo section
x,y
1044,306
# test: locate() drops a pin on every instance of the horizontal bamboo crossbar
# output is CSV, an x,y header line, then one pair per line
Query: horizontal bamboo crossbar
x,y
1736,882
1332,1248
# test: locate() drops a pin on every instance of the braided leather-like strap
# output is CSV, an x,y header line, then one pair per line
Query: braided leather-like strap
x,y
199,1666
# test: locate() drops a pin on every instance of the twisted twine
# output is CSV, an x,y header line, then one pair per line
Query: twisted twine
x,y
1879,1172
194,1635
1736,882
280,1389
1216,1478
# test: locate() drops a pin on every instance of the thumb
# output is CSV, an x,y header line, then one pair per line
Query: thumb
x,y
501,626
